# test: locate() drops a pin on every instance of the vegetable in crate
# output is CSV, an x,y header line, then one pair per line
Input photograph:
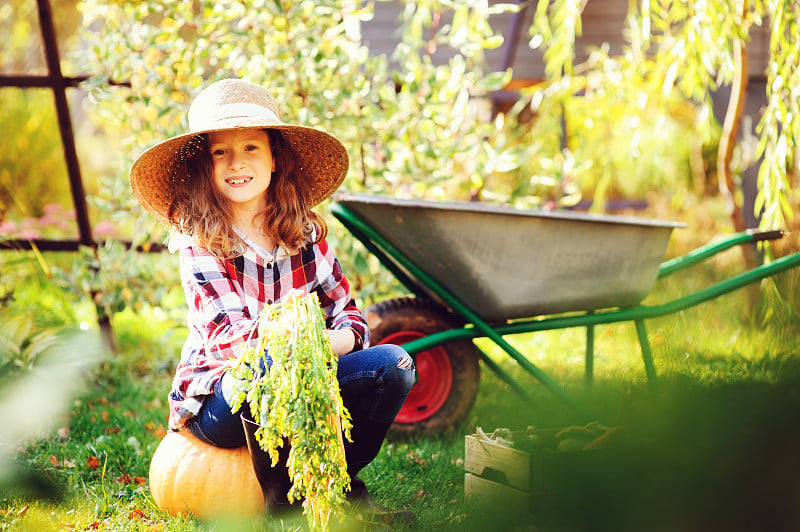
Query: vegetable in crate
x,y
298,401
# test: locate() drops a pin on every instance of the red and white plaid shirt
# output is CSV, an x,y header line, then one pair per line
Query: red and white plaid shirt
x,y
225,298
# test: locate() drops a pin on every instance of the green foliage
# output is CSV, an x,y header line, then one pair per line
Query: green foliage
x,y
21,345
32,292
119,278
417,129
431,136
41,371
407,131
297,402
694,42
417,126
613,124
556,25
779,127
23,49
676,51
32,170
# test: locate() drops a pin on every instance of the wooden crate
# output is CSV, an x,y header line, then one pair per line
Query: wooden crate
x,y
496,474
488,491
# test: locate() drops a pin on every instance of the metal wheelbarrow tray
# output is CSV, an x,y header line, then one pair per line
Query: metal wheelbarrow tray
x,y
498,270
505,263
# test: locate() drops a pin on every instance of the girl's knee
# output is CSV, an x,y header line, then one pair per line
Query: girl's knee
x,y
402,369
407,377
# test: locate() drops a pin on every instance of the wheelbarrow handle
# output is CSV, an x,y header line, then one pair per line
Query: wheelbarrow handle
x,y
702,253
759,236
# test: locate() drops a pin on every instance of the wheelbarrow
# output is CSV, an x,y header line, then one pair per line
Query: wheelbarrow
x,y
488,271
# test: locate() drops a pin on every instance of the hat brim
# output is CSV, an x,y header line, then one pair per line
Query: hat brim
x,y
322,159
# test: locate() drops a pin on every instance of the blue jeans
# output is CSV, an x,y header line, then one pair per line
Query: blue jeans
x,y
373,390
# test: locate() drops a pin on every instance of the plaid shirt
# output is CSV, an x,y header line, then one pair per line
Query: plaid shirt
x,y
225,298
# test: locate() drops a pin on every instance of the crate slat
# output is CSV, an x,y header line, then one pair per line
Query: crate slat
x,y
496,462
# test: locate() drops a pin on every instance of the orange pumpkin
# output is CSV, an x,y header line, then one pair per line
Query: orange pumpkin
x,y
188,476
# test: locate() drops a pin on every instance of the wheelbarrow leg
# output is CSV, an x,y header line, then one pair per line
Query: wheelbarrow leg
x,y
647,354
528,366
588,375
505,377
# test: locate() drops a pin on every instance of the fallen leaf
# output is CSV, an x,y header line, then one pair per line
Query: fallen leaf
x,y
63,433
139,480
93,462
161,432
136,513
112,430
420,494
53,460
105,416
69,464
22,511
124,479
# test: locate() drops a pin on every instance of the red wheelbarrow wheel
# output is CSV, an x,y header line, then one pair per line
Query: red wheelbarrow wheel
x,y
447,375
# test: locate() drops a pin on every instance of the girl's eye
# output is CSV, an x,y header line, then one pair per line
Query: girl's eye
x,y
250,147
218,151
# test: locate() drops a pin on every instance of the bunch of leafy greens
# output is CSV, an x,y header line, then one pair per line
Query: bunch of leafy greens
x,y
298,399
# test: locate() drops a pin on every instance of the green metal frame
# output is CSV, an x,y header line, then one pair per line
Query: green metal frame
x,y
417,280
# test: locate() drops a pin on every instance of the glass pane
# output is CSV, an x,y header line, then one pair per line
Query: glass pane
x,y
35,198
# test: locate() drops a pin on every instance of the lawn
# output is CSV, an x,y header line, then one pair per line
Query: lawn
x,y
717,444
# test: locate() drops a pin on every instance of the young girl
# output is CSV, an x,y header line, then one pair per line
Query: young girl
x,y
237,192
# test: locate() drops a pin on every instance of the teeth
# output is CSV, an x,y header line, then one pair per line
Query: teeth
x,y
238,181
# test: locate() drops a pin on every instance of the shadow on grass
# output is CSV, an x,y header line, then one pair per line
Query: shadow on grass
x,y
700,458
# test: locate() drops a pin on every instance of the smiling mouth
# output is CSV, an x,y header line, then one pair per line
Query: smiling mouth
x,y
238,180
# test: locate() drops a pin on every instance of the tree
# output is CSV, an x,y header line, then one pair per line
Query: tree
x,y
416,127
692,48
411,129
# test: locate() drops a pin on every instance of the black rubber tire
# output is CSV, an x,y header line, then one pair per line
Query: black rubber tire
x,y
426,317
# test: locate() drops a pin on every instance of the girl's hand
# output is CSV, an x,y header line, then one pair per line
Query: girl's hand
x,y
342,340
293,294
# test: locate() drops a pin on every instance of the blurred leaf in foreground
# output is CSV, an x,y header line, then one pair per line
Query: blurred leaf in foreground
x,y
31,403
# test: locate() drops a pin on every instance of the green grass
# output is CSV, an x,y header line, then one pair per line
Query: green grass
x,y
721,433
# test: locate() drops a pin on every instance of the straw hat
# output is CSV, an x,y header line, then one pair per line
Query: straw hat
x,y
233,104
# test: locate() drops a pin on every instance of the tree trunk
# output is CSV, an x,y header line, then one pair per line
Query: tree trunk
x,y
730,133
727,187
107,333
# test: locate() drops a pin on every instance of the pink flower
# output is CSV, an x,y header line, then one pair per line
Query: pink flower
x,y
8,227
104,228
49,219
29,234
52,209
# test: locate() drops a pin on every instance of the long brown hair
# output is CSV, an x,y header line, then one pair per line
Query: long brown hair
x,y
200,211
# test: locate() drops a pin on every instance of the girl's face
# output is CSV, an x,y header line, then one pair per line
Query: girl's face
x,y
242,166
